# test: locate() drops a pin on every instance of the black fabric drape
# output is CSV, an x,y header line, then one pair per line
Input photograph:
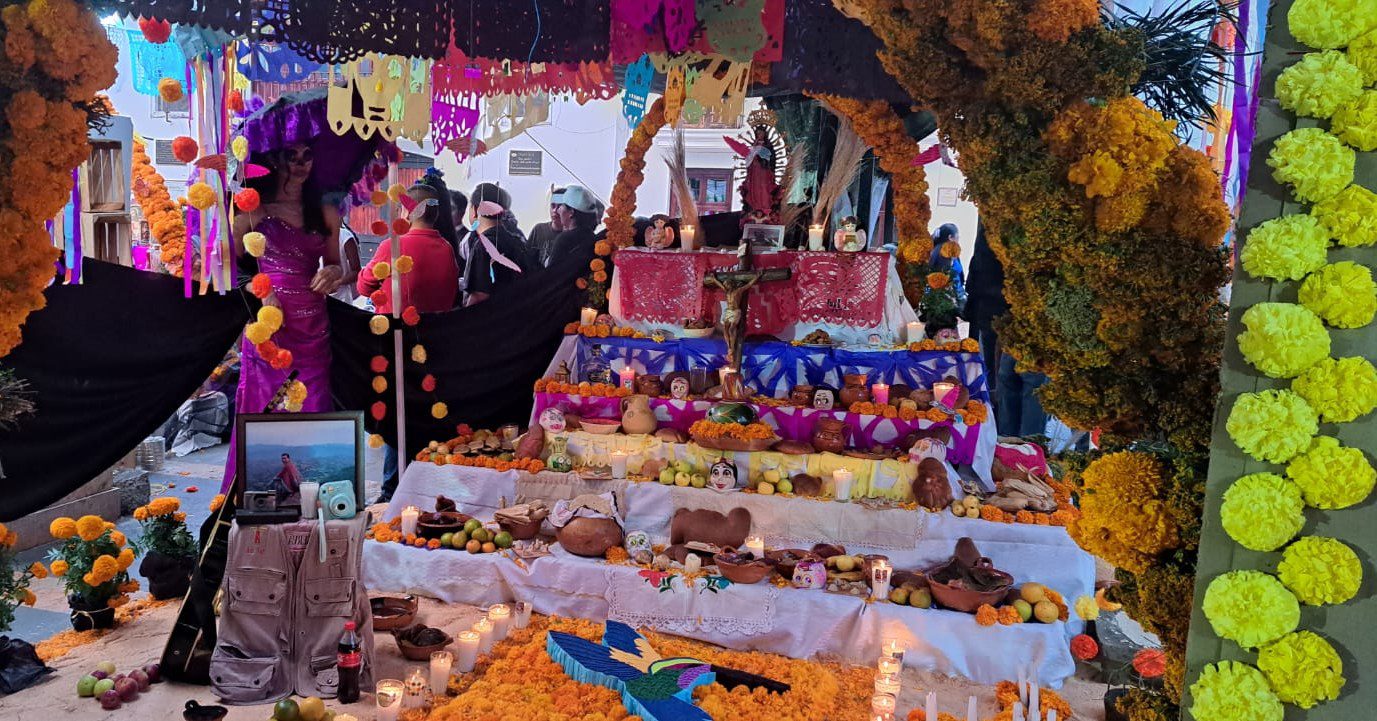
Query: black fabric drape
x,y
108,361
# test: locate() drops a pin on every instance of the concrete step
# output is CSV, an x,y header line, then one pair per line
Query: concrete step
x,y
33,528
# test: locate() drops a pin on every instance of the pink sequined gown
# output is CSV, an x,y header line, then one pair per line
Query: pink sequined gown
x,y
291,258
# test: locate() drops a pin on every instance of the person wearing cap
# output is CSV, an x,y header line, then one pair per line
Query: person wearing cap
x,y
495,249
542,236
578,213
430,285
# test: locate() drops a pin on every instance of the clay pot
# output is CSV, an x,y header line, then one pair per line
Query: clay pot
x,y
931,488
801,396
649,385
637,417
854,390
786,559
391,613
434,525
829,435
589,536
710,527
742,571
168,576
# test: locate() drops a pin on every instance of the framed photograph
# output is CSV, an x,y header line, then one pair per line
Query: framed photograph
x,y
277,452
763,236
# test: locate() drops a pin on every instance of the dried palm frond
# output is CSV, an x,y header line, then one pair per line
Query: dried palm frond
x,y
789,213
16,398
677,162
847,154
1184,66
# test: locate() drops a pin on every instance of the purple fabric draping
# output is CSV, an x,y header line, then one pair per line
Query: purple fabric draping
x,y
1245,99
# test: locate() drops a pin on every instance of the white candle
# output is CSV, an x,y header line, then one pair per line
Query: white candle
x,y
686,236
841,484
815,237
523,614
942,392
1051,714
879,393
915,330
619,465
888,684
588,316
485,633
468,645
1018,712
931,707
440,664
415,696
882,704
892,648
1033,699
389,697
1022,686
888,665
693,563
411,515
756,545
501,617
971,709
880,571
309,491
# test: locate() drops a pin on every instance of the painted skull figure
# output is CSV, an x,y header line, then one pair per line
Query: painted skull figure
x,y
824,399
679,388
552,420
722,475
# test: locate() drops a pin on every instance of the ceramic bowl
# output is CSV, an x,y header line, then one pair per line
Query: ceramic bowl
x,y
742,571
601,426
786,558
435,524
391,612
421,653
697,332
521,531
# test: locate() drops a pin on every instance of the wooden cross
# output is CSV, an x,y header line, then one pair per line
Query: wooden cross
x,y
736,283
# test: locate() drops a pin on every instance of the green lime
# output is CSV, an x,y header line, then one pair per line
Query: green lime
x,y
286,710
472,525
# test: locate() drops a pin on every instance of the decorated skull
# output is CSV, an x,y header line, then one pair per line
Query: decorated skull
x,y
722,475
552,420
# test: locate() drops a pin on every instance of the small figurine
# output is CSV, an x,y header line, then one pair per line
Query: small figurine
x,y
552,420
722,475
678,386
637,541
659,234
849,238
810,575
563,374
824,398
559,461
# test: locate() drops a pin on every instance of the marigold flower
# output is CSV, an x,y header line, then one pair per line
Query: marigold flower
x,y
105,567
89,528
217,502
29,598
60,567
118,539
986,615
938,281
38,570
62,528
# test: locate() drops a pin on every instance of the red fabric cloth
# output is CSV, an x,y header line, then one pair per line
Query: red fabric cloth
x,y
433,282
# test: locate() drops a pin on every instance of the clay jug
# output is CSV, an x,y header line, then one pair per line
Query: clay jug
x,y
829,435
801,396
854,390
649,385
637,417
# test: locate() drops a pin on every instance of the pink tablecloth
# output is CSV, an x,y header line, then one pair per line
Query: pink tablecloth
x,y
791,423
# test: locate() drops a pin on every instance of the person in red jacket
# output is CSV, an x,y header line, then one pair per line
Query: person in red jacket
x,y
433,280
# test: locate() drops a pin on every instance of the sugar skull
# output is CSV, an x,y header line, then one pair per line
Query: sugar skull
x,y
552,420
810,574
678,386
722,475
824,398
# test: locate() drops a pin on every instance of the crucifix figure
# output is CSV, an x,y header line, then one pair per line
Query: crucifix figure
x,y
736,283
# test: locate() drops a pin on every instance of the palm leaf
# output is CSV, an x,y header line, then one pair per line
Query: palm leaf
x,y
677,162
1182,64
847,153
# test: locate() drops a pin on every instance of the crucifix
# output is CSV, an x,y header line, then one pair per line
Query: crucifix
x,y
736,283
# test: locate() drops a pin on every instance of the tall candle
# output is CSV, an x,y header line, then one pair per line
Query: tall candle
x,y
686,236
971,709
915,330
815,237
440,664
879,393
523,614
619,464
1018,712
841,484
389,698
588,316
485,633
756,545
415,691
931,707
468,645
501,617
309,491
887,665
628,376
411,515
880,571
1033,699
1022,686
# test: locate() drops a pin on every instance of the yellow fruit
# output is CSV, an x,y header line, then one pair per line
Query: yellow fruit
x,y
920,598
766,488
473,546
899,596
970,502
311,709
489,547
771,476
845,563
1046,611
1032,592
784,486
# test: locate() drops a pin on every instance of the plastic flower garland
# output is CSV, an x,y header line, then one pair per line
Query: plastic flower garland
x,y
1355,122
1330,24
165,219
1282,339
1250,608
1350,217
619,220
1332,476
1342,293
1362,52
1262,511
1339,390
1319,84
1233,691
1314,163
1302,668
1320,570
1285,248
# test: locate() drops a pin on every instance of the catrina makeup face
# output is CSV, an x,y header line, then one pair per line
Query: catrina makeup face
x,y
722,476
297,161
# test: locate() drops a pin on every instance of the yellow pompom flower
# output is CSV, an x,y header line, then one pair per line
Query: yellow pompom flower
x,y
1303,669
1339,390
439,411
379,384
60,567
1319,84
1328,24
271,317
90,527
141,513
1332,476
164,505
170,90
418,353
104,568
62,528
117,538
405,263
1362,52
379,324
38,570
126,559
257,333
296,395
1285,248
1262,511
255,243
240,147
1272,425
1350,217
1250,608
1124,517
1320,570
376,441
1355,122
1342,294
382,269
396,191
1234,691
1314,163
201,196
1087,608
1283,339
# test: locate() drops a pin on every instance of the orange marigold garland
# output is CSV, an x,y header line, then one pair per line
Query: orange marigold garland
x,y
165,219
619,220
56,57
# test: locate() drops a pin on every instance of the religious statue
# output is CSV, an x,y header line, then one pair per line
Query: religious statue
x,y
659,234
849,238
735,284
760,189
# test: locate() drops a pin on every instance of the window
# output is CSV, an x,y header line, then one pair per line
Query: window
x,y
711,188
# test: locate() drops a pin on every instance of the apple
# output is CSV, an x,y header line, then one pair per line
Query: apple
x,y
489,547
699,481
110,700
765,488
155,672
1033,593
784,486
99,674
920,598
667,476
474,546
86,686
139,678
103,685
127,688
459,540
106,666
1025,609
683,467
311,709
682,479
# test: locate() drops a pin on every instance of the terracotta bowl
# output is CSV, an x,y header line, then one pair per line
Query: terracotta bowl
x,y
390,612
786,558
421,653
589,537
742,572
434,525
966,600
521,531
601,426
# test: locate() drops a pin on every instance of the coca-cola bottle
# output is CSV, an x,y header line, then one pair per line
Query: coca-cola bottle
x,y
349,663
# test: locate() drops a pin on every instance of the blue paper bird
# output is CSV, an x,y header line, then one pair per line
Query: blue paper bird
x,y
652,687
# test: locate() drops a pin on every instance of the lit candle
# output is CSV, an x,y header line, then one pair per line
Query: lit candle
x,y
931,706
619,465
693,563
888,665
588,316
411,515
523,614
501,617
309,490
628,376
1018,712
971,709
686,235
468,646
942,392
879,393
389,696
915,330
841,484
882,704
880,571
440,664
815,237
415,696
485,633
893,648
887,683
756,545
1033,699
